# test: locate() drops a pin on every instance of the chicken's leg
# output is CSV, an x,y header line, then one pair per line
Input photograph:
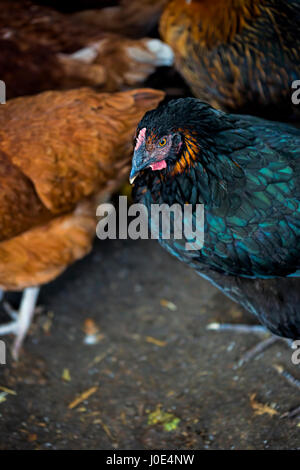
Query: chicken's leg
x,y
21,322
268,341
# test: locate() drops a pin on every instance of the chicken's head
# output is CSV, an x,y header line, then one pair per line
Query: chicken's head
x,y
168,138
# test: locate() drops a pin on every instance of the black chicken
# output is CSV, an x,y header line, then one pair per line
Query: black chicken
x,y
245,170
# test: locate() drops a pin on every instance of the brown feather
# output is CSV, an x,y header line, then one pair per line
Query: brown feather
x,y
43,49
238,55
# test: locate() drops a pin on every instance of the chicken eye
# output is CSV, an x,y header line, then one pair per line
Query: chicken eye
x,y
162,142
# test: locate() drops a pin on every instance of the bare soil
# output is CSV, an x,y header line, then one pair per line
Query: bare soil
x,y
157,378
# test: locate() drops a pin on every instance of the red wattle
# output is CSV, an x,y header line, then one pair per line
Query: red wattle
x,y
159,165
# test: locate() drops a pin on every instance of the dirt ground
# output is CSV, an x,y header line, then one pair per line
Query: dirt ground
x,y
157,378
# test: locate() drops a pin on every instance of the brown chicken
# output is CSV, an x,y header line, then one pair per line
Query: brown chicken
x,y
237,55
42,49
61,154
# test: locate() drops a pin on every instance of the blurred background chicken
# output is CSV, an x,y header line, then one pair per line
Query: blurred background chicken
x,y
61,154
43,49
238,55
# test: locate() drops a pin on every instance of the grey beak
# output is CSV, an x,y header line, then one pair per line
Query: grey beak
x,y
139,162
132,176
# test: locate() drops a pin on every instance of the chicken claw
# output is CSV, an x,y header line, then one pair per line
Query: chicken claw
x,y
268,341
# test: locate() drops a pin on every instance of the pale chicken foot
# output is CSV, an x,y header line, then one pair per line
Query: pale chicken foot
x,y
21,320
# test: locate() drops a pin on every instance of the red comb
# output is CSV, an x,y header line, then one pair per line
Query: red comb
x,y
140,138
